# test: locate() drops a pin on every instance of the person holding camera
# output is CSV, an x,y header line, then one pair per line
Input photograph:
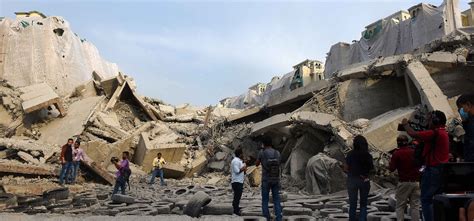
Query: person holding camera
x,y
158,164
435,152
123,172
408,188
465,104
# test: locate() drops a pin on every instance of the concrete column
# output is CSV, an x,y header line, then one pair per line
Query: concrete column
x,y
431,94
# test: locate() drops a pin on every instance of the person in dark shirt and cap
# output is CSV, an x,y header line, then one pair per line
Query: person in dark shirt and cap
x,y
408,187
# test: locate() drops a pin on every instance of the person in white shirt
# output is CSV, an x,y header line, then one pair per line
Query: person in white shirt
x,y
238,169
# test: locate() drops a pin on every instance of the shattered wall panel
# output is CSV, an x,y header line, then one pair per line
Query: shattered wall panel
x,y
35,54
368,98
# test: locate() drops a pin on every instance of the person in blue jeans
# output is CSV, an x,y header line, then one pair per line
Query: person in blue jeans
x,y
435,153
358,165
269,158
66,161
158,164
121,166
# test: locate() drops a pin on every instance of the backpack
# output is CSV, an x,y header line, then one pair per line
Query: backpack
x,y
126,172
273,167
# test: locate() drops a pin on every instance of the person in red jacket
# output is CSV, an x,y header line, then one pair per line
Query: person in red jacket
x,y
435,153
408,188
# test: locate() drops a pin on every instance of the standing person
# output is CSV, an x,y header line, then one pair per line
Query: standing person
x,y
238,169
408,188
435,152
270,160
66,161
158,163
465,104
123,172
359,163
79,155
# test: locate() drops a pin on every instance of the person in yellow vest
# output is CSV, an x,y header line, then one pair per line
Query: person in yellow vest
x,y
158,163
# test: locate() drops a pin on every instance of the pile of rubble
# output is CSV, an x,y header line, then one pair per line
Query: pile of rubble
x,y
311,125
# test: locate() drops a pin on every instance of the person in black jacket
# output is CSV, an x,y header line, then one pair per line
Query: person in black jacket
x,y
358,165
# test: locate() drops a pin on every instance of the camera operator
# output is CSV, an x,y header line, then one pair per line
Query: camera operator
x,y
122,169
435,152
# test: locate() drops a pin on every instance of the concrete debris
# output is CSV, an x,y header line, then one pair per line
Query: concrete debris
x,y
311,122
40,96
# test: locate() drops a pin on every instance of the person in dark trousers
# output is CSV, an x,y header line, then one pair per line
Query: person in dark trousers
x,y
269,158
121,166
238,169
435,152
158,164
465,104
66,161
408,187
359,163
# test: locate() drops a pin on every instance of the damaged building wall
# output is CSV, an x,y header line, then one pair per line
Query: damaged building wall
x,y
368,98
397,37
63,61
455,81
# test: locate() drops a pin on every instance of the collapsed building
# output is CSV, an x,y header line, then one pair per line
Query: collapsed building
x,y
312,113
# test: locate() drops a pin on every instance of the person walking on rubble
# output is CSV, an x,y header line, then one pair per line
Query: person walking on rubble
x,y
66,161
359,163
465,104
435,152
79,156
158,164
123,172
408,188
238,169
269,158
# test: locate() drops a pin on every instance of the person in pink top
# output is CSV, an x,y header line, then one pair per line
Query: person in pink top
x,y
78,156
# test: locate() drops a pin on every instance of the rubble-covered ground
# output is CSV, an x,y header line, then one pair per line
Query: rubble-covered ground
x,y
311,126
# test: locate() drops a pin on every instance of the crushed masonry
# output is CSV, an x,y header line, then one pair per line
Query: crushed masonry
x,y
312,125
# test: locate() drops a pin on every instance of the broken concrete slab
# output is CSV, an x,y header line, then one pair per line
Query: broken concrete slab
x,y
28,158
359,70
431,94
386,126
217,166
243,114
100,171
38,96
220,155
173,170
109,86
167,109
147,150
9,166
29,189
111,122
391,62
59,130
197,166
318,120
440,59
276,121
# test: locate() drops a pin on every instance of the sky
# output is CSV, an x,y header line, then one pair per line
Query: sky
x,y
200,52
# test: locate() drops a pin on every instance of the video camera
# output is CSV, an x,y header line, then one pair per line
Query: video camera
x,y
114,160
418,124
